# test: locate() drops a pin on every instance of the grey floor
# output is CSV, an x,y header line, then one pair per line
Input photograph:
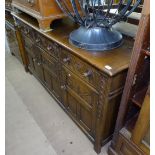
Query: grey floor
x,y
35,124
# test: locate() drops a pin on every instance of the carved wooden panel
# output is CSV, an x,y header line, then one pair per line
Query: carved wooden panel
x,y
85,71
51,74
26,30
12,41
49,46
34,55
80,99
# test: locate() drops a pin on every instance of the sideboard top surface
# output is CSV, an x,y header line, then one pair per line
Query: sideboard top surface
x,y
111,62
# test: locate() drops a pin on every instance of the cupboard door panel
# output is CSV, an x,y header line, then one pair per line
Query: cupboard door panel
x,y
30,59
47,79
80,100
52,83
86,118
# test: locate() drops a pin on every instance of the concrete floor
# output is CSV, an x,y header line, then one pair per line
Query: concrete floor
x,y
35,123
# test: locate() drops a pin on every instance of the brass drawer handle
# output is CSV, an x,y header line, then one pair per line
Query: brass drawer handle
x,y
65,60
34,59
39,63
87,74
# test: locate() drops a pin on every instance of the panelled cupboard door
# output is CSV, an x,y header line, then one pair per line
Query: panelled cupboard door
x,y
51,78
34,57
80,100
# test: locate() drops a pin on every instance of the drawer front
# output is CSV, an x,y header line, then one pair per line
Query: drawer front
x,y
49,46
26,30
31,4
80,100
82,69
29,45
41,41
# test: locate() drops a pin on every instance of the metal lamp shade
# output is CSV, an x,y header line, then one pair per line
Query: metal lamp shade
x,y
95,19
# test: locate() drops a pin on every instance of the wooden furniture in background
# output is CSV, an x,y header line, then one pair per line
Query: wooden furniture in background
x,y
8,5
131,135
14,39
45,11
88,86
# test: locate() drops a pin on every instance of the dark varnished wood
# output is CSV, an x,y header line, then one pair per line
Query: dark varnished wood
x,y
14,39
11,35
60,34
133,95
78,79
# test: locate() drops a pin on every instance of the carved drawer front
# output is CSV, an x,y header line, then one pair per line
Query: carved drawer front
x,y
29,45
80,99
26,30
46,44
82,69
32,4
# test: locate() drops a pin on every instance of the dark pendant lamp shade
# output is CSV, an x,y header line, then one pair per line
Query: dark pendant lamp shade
x,y
96,19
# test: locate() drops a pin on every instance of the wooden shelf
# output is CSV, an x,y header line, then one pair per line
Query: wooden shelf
x,y
139,97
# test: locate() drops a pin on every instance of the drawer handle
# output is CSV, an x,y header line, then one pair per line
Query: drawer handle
x,y
26,31
37,40
39,63
63,87
34,59
49,47
65,60
87,74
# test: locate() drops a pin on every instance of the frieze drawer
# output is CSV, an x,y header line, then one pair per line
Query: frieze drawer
x,y
49,46
82,69
27,30
41,41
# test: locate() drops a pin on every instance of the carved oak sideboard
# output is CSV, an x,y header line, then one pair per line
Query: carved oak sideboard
x,y
88,86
